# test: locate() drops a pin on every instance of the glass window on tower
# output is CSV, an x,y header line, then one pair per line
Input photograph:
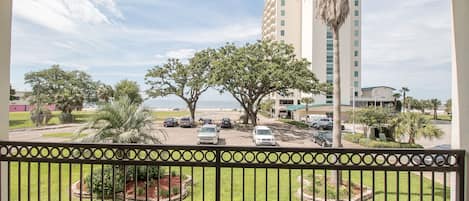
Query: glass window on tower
x,y
282,12
282,22
355,83
356,22
356,63
356,43
357,33
355,53
282,32
357,13
356,73
283,2
356,2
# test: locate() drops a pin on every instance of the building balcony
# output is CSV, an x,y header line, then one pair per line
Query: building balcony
x,y
61,171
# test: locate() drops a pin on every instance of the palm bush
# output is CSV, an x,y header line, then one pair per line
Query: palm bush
x,y
122,122
415,125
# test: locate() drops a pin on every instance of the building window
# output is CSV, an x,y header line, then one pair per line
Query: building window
x,y
356,2
330,59
357,13
357,33
356,63
356,73
355,53
356,22
355,84
282,12
282,22
356,43
356,94
282,32
283,3
329,34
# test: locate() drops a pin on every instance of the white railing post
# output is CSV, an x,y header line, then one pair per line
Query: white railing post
x,y
460,89
5,50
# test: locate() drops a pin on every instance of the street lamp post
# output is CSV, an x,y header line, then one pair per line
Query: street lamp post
x,y
353,110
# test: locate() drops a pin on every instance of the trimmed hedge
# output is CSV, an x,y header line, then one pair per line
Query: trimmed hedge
x,y
363,141
295,123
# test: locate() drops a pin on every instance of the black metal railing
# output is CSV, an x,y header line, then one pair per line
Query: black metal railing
x,y
60,171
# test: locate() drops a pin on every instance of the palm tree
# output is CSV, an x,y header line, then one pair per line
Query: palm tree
x,y
333,14
415,125
307,101
396,96
105,93
404,91
435,103
121,122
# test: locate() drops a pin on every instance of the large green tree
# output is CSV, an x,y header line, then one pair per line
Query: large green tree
x,y
414,125
372,116
12,93
105,92
68,90
253,71
130,89
187,81
307,101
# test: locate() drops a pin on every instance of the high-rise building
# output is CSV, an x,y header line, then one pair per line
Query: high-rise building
x,y
294,22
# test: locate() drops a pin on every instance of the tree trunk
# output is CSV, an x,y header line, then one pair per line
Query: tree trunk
x,y
192,111
246,117
336,176
435,114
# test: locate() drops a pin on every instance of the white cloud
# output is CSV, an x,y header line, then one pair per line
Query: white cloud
x,y
64,15
178,54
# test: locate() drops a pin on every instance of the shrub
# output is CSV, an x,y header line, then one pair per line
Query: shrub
x,y
153,173
164,193
140,191
175,190
380,144
173,173
108,186
355,138
295,123
66,117
41,117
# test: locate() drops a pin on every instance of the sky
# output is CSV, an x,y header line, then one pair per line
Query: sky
x,y
405,43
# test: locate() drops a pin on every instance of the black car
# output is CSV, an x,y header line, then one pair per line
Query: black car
x,y
329,126
170,122
205,121
226,123
323,138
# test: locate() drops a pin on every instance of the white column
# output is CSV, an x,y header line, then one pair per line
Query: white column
x,y
5,47
460,83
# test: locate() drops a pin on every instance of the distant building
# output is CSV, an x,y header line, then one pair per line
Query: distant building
x,y
376,96
294,22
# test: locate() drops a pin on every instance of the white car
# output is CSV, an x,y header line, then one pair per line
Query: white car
x,y
262,135
208,134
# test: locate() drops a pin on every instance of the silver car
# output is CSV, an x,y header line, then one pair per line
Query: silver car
x,y
208,134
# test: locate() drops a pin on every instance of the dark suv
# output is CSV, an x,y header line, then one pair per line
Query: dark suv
x,y
323,138
226,123
170,122
186,122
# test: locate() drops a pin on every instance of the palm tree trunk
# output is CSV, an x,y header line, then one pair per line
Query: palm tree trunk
x,y
336,176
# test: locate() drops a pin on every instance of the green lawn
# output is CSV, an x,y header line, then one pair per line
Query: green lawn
x,y
440,117
259,190
61,135
22,119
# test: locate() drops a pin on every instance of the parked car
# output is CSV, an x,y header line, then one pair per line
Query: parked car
x,y
170,122
262,135
209,134
323,138
205,121
322,123
326,124
186,122
226,123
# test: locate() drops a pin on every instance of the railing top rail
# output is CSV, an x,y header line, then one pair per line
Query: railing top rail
x,y
235,148
230,156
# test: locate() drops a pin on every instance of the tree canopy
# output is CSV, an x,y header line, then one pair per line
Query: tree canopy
x,y
187,81
130,89
68,90
253,71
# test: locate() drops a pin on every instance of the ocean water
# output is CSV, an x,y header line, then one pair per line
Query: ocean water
x,y
202,104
